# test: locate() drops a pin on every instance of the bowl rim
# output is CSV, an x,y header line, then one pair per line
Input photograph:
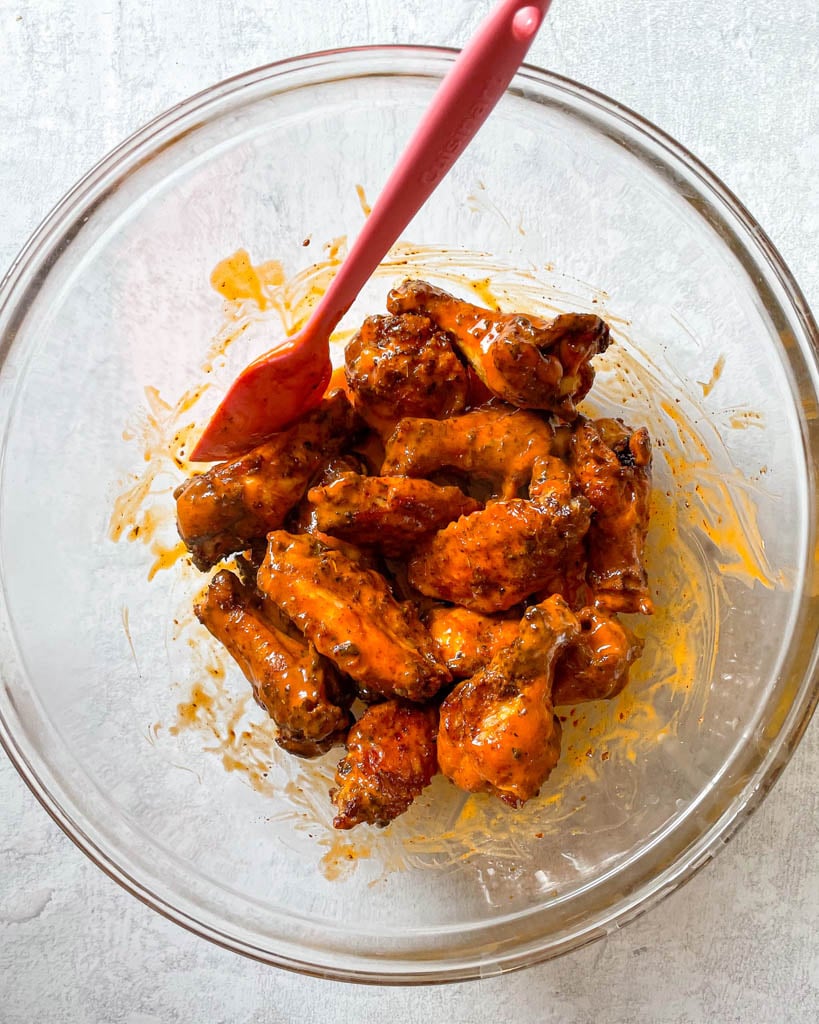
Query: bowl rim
x,y
31,266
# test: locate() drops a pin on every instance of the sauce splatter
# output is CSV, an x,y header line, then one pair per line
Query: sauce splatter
x,y
366,209
237,279
716,373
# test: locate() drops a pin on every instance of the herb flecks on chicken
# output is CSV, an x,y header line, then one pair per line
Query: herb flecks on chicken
x,y
351,617
220,511
388,513
404,366
300,690
391,758
498,731
528,362
455,518
496,445
612,465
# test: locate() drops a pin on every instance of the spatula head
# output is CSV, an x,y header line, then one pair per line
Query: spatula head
x,y
268,395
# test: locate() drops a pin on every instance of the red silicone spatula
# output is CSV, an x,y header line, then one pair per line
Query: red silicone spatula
x,y
290,379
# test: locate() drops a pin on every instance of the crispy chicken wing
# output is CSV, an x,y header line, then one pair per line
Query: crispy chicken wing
x,y
403,362
595,664
496,444
389,513
219,511
350,615
529,362
498,732
300,690
492,559
467,640
390,759
612,464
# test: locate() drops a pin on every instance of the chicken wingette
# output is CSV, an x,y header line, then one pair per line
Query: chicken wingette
x,y
350,615
612,465
388,513
492,559
495,444
527,361
222,510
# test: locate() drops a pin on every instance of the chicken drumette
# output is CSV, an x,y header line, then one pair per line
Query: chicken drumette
x,y
388,513
612,464
220,511
390,759
529,362
351,617
498,731
300,690
404,363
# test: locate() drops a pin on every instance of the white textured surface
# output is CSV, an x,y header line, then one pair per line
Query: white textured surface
x,y
737,83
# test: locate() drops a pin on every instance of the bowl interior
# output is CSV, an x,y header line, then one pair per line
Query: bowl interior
x,y
135,731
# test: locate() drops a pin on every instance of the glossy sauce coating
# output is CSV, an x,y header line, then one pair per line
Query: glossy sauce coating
x,y
391,758
423,532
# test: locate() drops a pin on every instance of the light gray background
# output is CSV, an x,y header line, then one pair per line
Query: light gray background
x,y
736,82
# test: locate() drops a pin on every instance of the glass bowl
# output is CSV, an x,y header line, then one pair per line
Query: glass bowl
x,y
140,740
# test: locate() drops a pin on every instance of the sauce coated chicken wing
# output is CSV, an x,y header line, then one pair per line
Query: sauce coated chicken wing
x,y
220,511
300,690
595,664
389,513
492,559
495,444
498,731
526,361
390,759
612,465
404,362
467,640
351,617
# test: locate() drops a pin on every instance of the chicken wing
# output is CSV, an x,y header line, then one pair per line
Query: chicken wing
x,y
498,732
467,640
390,759
529,362
302,519
351,617
492,559
496,444
612,464
595,664
403,362
389,513
299,689
554,487
220,511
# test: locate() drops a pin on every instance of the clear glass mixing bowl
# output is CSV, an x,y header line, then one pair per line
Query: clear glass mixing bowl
x,y
111,696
